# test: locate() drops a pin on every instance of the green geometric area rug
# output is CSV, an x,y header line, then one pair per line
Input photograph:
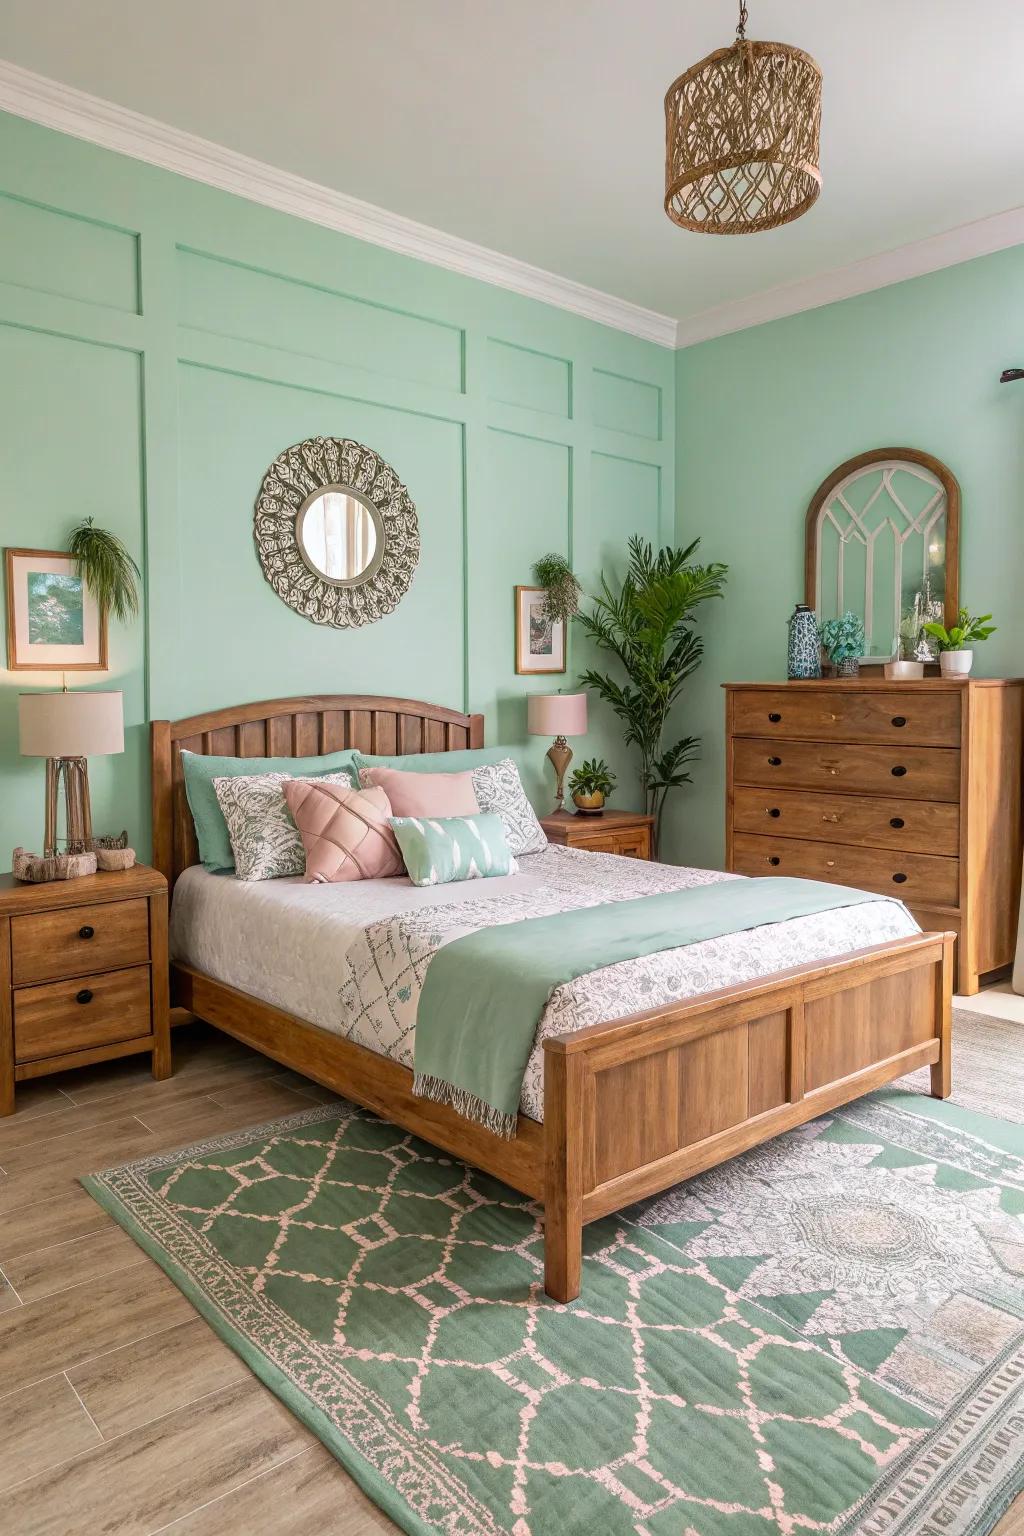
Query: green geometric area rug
x,y
825,1334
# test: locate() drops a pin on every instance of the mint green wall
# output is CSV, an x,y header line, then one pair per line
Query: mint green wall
x,y
161,342
765,414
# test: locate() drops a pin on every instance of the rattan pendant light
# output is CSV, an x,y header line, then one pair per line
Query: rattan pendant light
x,y
741,138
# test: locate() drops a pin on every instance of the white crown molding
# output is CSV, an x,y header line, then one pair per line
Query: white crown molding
x,y
964,243
45,101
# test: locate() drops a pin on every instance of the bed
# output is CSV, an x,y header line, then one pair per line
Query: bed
x,y
613,1109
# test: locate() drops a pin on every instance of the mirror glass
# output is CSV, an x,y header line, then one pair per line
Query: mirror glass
x,y
881,552
339,536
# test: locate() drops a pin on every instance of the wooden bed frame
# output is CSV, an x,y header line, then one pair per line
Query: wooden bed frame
x,y
631,1107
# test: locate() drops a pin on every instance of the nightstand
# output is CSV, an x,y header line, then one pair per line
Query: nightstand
x,y
627,832
83,974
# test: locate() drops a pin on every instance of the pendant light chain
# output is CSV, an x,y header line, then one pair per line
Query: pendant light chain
x,y
741,25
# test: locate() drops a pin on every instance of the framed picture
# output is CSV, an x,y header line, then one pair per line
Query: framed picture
x,y
540,642
53,621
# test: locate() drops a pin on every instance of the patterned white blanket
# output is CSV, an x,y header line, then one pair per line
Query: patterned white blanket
x,y
387,961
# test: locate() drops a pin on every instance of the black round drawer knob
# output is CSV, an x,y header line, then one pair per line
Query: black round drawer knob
x,y
774,717
773,858
85,932
772,810
898,773
775,762
899,720
899,879
85,996
897,821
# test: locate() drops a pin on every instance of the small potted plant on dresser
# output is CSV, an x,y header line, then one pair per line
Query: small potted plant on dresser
x,y
591,784
843,642
955,660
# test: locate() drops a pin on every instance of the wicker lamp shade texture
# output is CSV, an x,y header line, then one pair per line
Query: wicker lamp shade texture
x,y
742,132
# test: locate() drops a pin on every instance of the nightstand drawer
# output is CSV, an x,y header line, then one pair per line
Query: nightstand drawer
x,y
73,941
80,1012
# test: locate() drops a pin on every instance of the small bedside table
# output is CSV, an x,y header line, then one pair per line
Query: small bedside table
x,y
627,832
83,974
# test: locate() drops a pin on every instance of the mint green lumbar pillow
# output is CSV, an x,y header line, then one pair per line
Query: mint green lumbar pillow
x,y
211,828
435,762
439,851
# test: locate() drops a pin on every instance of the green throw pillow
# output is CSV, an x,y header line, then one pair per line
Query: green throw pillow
x,y
449,848
435,762
200,772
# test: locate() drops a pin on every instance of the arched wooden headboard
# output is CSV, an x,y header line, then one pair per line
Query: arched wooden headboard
x,y
300,727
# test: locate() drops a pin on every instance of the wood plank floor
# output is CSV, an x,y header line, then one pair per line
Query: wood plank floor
x,y
120,1409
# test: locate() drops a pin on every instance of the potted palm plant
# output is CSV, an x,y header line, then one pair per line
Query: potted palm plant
x,y
649,627
955,660
591,784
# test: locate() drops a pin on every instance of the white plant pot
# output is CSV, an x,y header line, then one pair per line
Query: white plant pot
x,y
955,663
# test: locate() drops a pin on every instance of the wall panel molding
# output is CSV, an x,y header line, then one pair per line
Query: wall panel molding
x,y
55,105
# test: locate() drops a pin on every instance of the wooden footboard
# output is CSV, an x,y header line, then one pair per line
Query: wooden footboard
x,y
635,1106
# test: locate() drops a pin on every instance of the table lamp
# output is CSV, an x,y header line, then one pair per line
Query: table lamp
x,y
559,715
67,728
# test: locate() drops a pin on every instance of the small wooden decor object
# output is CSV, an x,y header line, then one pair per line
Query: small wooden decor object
x,y
35,868
83,975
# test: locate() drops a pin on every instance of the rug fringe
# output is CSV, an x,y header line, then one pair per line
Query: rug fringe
x,y
464,1103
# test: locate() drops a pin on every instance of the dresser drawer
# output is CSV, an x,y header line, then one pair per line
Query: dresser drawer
x,y
922,719
918,826
76,940
80,1012
913,877
918,773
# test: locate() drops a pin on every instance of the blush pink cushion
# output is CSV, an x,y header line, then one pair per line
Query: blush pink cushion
x,y
346,832
424,794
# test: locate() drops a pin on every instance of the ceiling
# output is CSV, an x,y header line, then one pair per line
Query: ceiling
x,y
536,128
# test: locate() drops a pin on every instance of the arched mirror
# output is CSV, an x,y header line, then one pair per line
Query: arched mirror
x,y
336,532
883,535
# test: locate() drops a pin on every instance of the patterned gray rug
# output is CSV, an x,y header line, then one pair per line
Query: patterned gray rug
x,y
988,1066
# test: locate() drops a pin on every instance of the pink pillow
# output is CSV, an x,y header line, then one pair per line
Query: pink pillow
x,y
424,794
345,832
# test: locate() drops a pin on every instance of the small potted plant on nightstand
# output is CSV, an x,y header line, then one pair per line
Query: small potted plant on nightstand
x,y
843,642
589,786
955,660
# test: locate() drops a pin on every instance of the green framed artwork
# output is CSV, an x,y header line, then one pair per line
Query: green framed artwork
x,y
53,621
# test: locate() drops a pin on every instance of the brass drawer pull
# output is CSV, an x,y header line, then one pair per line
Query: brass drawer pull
x,y
774,717
85,996
772,810
775,762
832,817
899,720
899,878
773,858
896,821
898,773
86,932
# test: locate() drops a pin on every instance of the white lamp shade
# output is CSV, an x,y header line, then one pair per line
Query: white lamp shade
x,y
557,714
70,724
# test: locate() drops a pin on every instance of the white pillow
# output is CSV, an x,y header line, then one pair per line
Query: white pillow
x,y
498,788
264,839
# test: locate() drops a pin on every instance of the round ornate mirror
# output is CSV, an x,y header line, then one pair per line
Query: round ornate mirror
x,y
336,532
340,536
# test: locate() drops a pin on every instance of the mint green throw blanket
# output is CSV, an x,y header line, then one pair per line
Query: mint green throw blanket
x,y
483,994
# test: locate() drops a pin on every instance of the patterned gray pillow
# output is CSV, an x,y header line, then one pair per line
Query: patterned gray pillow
x,y
264,838
498,788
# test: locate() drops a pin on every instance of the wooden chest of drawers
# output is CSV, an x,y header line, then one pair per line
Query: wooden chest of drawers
x,y
83,974
910,789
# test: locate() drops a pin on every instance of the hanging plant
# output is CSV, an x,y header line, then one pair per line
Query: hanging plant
x,y
562,592
107,568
